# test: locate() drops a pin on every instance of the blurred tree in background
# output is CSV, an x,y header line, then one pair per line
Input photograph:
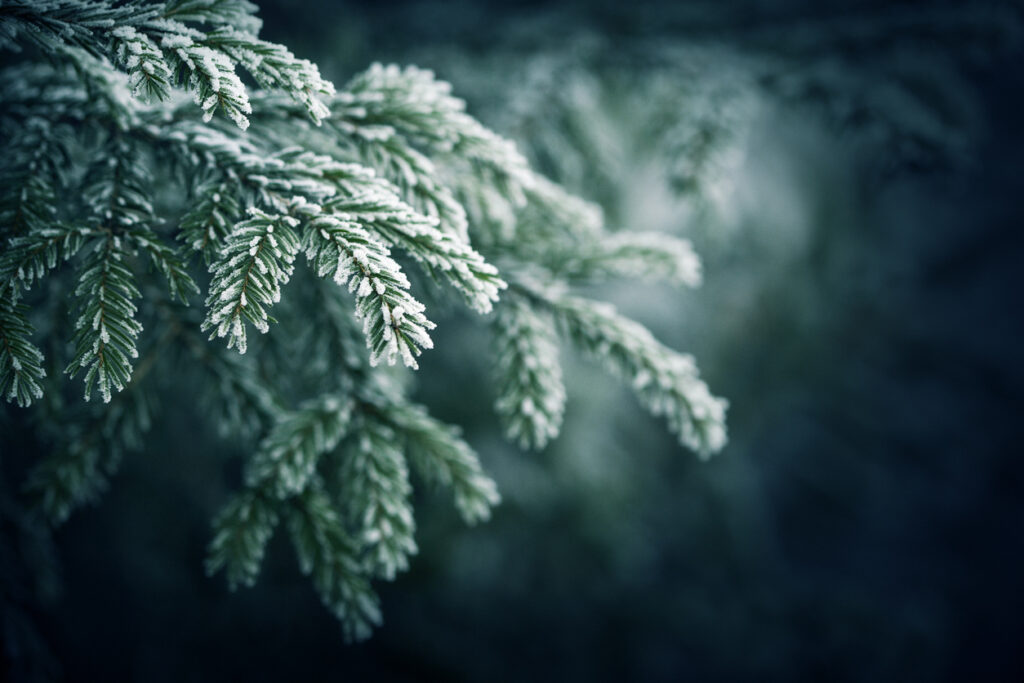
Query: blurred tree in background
x,y
849,174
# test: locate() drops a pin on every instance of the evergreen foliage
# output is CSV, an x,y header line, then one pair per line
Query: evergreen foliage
x,y
531,393
120,192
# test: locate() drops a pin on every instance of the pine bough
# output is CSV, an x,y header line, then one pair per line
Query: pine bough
x,y
133,204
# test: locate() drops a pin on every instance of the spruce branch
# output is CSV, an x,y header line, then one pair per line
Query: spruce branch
x,y
165,259
116,191
416,177
149,74
550,213
441,255
238,14
158,45
107,329
28,258
30,174
376,493
666,382
328,554
287,458
531,393
438,452
639,255
207,224
29,201
393,321
419,106
398,173
241,533
274,68
247,277
21,362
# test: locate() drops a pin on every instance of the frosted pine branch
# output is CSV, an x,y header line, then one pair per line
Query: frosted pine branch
x,y
666,382
531,394
395,110
106,329
21,363
376,492
247,278
441,254
28,259
160,45
238,14
211,218
274,67
31,172
288,456
327,553
241,533
421,107
439,454
415,175
551,213
167,260
393,321
148,72
641,255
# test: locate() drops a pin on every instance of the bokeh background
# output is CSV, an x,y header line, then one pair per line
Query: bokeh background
x,y
851,175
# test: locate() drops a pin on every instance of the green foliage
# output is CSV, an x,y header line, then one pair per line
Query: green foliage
x,y
106,328
205,227
158,46
119,192
654,256
327,553
247,277
21,369
31,174
377,494
393,321
666,381
287,458
29,257
440,455
243,530
682,96
531,393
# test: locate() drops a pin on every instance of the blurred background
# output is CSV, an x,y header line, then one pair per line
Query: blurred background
x,y
850,174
